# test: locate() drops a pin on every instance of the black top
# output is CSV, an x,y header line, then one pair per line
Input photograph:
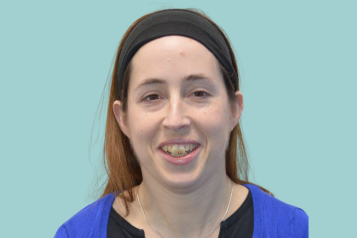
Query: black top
x,y
239,225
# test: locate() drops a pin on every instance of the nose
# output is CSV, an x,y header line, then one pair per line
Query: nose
x,y
176,116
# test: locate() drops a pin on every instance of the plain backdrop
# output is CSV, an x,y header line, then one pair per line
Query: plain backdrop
x,y
297,62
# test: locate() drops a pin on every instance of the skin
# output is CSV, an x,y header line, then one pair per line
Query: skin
x,y
180,200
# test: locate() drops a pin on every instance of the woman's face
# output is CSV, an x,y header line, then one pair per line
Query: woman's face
x,y
177,101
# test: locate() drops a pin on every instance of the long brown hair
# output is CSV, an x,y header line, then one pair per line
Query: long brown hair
x,y
121,166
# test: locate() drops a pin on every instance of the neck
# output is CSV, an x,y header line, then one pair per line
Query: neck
x,y
189,212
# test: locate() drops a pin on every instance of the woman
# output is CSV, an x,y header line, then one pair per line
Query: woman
x,y
174,147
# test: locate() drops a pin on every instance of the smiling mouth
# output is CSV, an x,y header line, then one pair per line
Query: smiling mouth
x,y
178,150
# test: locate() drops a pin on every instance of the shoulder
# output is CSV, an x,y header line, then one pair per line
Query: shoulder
x,y
88,222
278,218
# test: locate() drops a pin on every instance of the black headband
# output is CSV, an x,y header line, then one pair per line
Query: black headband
x,y
175,22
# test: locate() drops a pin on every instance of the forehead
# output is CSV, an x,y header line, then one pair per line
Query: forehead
x,y
175,54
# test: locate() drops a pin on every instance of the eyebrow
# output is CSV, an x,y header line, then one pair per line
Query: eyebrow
x,y
156,81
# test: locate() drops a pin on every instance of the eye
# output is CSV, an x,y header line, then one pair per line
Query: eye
x,y
151,97
200,94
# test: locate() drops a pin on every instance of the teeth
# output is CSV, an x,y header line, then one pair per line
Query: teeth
x,y
179,150
174,149
182,149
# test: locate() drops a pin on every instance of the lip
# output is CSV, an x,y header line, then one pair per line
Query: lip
x,y
180,160
178,141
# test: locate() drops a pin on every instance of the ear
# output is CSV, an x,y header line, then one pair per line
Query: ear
x,y
120,116
237,109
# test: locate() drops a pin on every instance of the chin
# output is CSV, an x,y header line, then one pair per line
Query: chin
x,y
184,180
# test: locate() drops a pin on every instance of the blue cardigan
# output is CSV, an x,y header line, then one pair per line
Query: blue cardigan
x,y
272,218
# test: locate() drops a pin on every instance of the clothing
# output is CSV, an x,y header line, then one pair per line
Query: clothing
x,y
239,225
272,218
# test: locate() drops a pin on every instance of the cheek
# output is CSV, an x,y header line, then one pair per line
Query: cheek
x,y
143,128
217,113
215,122
141,124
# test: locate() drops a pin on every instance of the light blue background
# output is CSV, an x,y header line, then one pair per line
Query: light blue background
x,y
297,61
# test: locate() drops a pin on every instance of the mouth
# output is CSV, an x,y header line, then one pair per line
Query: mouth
x,y
180,154
179,150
